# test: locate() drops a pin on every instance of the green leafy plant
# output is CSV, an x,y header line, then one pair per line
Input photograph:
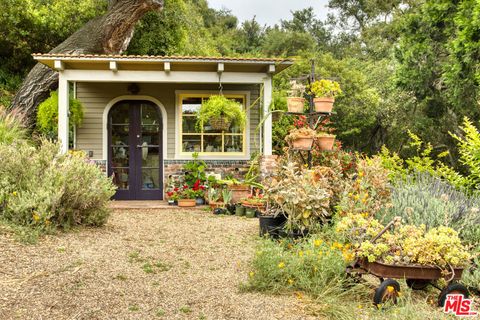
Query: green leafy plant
x,y
12,126
227,196
195,170
297,89
213,195
47,115
325,88
298,133
218,106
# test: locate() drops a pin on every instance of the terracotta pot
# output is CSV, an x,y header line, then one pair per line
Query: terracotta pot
x,y
187,203
302,143
239,191
295,104
323,104
214,205
325,142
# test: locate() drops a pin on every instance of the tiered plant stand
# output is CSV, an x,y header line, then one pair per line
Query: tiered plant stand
x,y
313,118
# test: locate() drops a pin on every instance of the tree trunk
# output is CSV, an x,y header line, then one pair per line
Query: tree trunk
x,y
108,34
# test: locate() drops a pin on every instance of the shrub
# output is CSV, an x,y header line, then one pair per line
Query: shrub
x,y
12,126
312,265
49,190
424,199
47,115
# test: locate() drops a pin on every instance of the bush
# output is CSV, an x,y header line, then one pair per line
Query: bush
x,y
423,199
49,190
312,265
11,126
47,115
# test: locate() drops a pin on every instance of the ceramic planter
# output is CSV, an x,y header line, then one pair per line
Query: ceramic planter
x,y
171,202
213,205
323,104
295,104
200,201
250,212
239,210
186,203
325,143
302,143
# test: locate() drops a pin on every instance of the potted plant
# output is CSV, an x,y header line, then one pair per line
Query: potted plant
x,y
172,198
295,100
238,188
301,138
220,112
239,210
186,197
213,196
300,196
325,141
199,193
272,222
227,198
325,92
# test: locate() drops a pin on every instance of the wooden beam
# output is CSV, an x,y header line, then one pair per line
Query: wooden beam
x,y
220,67
113,66
271,68
58,65
167,67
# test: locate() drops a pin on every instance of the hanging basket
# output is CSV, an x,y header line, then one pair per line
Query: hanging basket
x,y
220,123
324,104
295,104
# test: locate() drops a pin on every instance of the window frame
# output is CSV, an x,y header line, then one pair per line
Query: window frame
x,y
180,154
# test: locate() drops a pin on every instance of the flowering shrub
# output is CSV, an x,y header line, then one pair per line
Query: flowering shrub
x,y
50,190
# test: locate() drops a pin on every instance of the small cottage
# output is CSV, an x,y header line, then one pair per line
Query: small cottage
x,y
140,113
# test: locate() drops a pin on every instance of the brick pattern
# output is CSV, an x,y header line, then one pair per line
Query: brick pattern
x,y
236,168
268,165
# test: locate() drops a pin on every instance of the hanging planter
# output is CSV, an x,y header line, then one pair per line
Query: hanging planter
x,y
220,113
301,139
220,123
295,104
325,92
325,141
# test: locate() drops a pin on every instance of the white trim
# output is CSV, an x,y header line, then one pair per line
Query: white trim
x,y
167,67
58,65
179,156
267,125
63,104
113,66
160,76
74,127
132,97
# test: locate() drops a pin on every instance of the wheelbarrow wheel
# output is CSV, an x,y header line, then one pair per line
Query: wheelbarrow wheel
x,y
388,291
417,284
452,288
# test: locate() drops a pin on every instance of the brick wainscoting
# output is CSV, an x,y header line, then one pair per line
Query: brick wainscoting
x,y
235,168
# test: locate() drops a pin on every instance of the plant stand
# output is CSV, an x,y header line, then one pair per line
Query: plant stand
x,y
314,118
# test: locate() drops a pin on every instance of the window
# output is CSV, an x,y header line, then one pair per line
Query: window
x,y
207,140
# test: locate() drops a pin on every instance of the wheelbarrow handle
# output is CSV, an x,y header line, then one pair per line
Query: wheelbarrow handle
x,y
391,223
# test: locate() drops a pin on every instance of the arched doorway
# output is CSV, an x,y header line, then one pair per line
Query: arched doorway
x,y
135,150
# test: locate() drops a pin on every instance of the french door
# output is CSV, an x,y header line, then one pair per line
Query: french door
x,y
135,159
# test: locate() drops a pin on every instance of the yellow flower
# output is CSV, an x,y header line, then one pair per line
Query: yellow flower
x,y
281,265
315,269
361,174
356,197
35,217
390,289
317,243
300,253
251,274
359,306
320,253
14,193
290,281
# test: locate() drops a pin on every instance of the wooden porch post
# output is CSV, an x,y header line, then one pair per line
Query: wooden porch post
x,y
63,106
267,125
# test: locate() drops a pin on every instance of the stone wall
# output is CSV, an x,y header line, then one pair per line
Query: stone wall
x,y
235,168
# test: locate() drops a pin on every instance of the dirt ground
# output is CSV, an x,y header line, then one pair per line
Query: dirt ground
x,y
144,264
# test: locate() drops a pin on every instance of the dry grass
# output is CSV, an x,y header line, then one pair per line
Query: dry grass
x,y
144,264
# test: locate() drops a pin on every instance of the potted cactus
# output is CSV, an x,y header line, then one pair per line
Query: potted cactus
x,y
301,138
325,92
295,100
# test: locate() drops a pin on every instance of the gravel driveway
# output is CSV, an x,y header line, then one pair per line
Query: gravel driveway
x,y
145,264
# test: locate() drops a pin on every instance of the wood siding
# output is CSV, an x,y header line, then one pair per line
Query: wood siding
x,y
96,96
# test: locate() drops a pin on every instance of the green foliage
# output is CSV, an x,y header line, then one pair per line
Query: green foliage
x,y
195,170
311,265
424,199
325,88
47,115
12,126
49,190
219,106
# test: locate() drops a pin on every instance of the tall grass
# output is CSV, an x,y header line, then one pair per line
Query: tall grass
x,y
12,125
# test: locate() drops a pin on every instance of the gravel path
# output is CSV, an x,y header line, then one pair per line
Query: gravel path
x,y
145,264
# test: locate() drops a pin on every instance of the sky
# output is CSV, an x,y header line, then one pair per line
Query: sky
x,y
269,11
